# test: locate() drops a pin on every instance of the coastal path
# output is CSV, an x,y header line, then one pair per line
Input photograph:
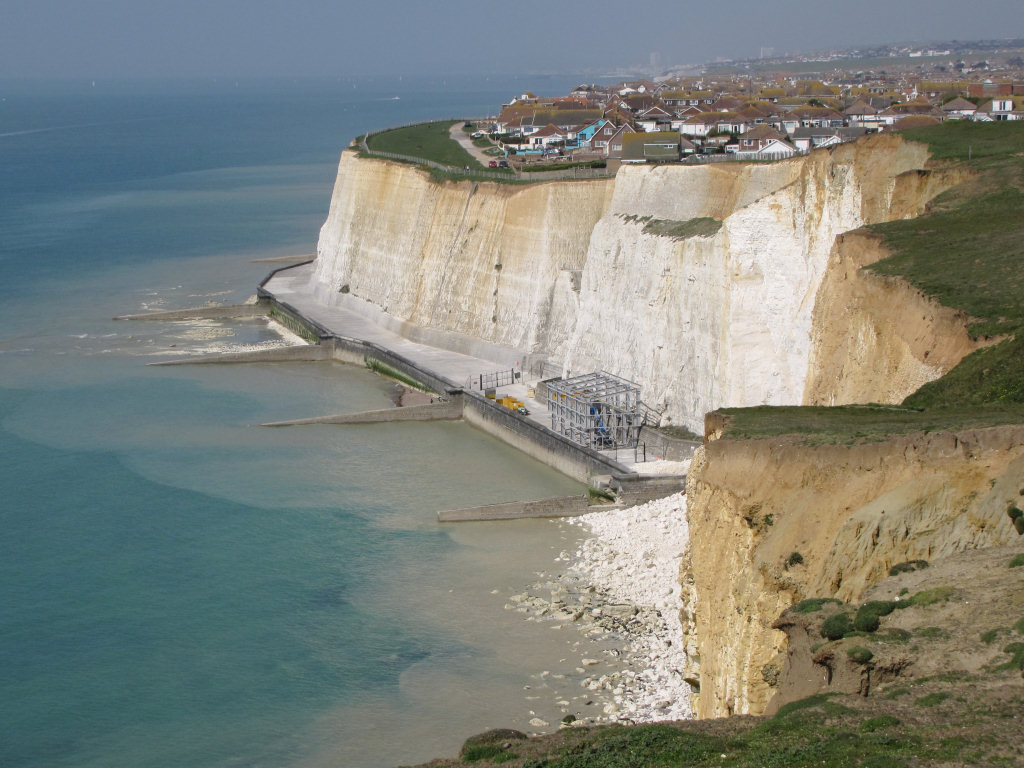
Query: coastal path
x,y
464,141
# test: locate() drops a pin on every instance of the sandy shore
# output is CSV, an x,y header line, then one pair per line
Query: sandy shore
x,y
622,585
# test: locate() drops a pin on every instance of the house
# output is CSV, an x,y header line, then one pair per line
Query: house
x,y
652,117
915,121
959,108
547,137
997,110
775,149
731,122
614,148
858,111
700,125
600,137
757,138
643,147
806,139
816,117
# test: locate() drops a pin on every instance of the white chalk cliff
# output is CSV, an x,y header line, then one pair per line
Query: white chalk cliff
x,y
616,275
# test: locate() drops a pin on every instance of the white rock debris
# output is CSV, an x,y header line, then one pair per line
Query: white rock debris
x,y
623,585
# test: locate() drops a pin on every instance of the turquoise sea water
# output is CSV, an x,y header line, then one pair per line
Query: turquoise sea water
x,y
180,586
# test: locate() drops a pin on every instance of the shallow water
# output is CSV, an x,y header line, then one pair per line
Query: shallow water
x,y
182,586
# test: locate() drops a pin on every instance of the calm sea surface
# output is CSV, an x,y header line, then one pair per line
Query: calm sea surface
x,y
180,586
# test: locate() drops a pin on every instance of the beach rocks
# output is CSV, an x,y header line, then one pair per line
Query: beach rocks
x,y
622,586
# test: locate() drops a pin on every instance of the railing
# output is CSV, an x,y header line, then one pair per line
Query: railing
x,y
732,157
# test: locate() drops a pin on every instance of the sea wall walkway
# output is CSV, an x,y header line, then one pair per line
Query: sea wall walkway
x,y
350,336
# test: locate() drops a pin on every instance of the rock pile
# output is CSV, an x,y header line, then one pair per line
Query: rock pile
x,y
622,587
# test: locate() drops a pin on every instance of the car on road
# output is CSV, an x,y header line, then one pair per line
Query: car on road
x,y
503,164
492,164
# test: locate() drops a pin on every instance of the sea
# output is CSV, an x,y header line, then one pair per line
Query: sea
x,y
180,586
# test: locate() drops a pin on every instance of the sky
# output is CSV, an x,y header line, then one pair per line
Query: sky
x,y
339,38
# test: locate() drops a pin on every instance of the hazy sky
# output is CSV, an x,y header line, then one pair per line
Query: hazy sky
x,y
234,38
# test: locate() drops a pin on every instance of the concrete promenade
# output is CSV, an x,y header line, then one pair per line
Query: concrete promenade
x,y
356,335
293,287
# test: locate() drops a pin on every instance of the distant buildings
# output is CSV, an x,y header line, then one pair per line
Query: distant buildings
x,y
692,119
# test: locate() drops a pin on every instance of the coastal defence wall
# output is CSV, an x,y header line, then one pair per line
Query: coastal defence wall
x,y
852,512
702,284
576,461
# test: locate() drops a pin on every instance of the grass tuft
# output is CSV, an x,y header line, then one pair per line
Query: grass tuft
x,y
836,627
683,230
814,604
932,699
858,654
908,567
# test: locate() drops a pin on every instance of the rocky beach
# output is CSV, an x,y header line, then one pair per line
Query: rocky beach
x,y
622,587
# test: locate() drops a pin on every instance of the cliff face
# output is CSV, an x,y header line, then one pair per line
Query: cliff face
x,y
613,275
851,512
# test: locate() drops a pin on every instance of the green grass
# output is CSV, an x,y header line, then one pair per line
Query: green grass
x,y
836,626
990,636
682,230
931,633
967,255
562,166
851,424
869,615
428,141
928,597
878,723
932,699
811,732
814,604
1016,652
1017,561
386,370
858,654
908,566
966,252
957,139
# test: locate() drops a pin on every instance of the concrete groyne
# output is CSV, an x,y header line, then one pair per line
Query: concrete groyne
x,y
515,429
233,312
449,410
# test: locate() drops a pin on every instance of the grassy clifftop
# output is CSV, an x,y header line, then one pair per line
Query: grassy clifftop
x,y
966,252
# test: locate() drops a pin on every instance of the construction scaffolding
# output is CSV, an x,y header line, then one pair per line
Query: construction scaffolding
x,y
598,410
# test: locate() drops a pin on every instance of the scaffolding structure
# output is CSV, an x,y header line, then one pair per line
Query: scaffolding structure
x,y
597,410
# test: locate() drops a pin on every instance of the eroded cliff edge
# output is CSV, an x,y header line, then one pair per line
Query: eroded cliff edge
x,y
850,512
701,283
